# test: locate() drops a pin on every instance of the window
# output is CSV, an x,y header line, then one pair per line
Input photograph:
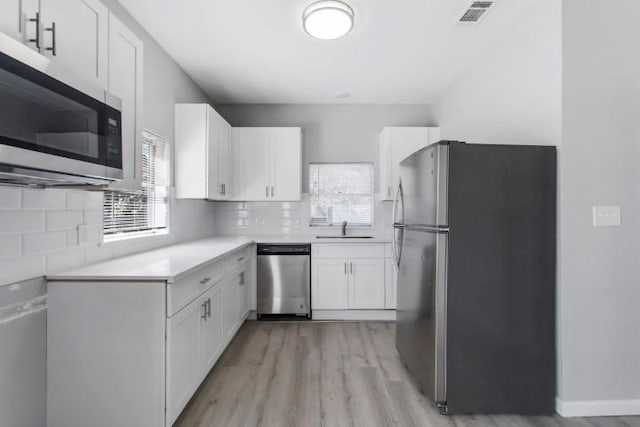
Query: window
x,y
341,192
132,213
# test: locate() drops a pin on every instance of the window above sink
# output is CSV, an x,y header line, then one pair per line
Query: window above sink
x,y
341,192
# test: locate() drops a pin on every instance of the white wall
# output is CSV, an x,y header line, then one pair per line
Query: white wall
x,y
600,272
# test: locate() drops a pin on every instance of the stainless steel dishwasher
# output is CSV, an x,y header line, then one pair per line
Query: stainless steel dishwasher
x,y
284,279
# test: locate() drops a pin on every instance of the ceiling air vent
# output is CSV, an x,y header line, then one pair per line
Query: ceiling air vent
x,y
475,12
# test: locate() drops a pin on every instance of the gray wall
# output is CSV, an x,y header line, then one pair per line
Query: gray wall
x,y
332,133
600,272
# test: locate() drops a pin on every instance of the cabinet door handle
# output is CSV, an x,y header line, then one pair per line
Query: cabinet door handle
x,y
208,307
266,191
240,259
351,267
345,268
37,22
203,316
52,28
205,280
271,191
222,189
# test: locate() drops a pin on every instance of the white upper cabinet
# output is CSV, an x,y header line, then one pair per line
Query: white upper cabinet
x,y
203,153
76,33
126,59
286,164
396,144
267,164
18,19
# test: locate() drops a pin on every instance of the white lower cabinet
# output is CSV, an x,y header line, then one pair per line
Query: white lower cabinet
x,y
355,281
133,353
242,289
366,284
183,337
229,310
330,284
211,342
390,284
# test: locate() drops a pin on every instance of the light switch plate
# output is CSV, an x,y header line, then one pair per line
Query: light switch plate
x,y
606,216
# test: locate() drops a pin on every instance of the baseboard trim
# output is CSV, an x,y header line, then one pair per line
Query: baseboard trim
x,y
597,408
354,315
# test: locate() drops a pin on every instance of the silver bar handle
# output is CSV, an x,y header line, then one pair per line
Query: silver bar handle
x,y
345,268
272,191
396,225
241,259
266,191
37,22
205,280
427,228
52,49
203,316
350,268
223,189
208,307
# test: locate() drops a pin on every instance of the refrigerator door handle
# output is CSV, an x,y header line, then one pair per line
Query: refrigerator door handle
x,y
396,225
427,228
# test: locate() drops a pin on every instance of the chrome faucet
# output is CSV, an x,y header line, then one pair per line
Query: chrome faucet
x,y
344,228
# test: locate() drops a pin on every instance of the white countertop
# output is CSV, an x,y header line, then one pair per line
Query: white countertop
x,y
165,264
171,263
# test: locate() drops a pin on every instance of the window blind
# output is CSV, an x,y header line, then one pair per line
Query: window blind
x,y
341,192
145,210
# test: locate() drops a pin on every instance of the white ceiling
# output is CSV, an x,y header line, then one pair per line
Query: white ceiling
x,y
255,51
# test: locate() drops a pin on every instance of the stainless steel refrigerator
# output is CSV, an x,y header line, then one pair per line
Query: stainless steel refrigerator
x,y
474,240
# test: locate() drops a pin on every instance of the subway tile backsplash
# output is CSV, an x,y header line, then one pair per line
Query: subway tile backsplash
x,y
275,218
39,231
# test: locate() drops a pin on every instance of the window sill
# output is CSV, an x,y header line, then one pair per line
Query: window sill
x,y
134,235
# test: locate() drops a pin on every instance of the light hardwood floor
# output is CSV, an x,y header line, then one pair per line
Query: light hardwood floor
x,y
329,374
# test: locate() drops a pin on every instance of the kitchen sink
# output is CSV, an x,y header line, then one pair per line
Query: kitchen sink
x,y
344,237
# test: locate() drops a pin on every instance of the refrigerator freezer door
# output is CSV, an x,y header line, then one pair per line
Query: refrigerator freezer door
x,y
424,179
421,309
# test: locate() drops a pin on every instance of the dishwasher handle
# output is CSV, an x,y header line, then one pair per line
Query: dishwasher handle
x,y
283,249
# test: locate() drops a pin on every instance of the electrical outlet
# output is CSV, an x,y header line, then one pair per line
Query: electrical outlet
x,y
606,216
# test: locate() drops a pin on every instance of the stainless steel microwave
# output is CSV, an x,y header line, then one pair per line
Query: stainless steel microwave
x,y
56,129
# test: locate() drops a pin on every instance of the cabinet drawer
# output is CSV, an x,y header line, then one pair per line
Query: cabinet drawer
x,y
237,259
181,293
348,250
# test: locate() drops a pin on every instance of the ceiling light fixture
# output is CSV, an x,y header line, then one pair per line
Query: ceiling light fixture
x,y
327,19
